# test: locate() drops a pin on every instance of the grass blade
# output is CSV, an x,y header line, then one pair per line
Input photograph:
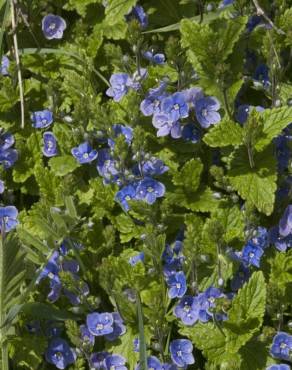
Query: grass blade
x,y
142,343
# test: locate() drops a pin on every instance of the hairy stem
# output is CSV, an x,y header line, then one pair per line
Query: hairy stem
x,y
17,60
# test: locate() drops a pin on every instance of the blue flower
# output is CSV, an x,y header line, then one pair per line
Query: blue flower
x,y
244,110
50,144
181,352
86,337
8,157
166,366
152,102
100,323
8,218
154,58
253,21
115,362
2,187
149,190
190,132
118,130
84,153
285,224
280,242
192,95
283,152
279,367
42,119
151,167
251,254
175,107
262,74
51,269
261,237
4,66
125,194
137,258
152,363
241,277
206,111
282,346
136,344
139,14
177,285
120,83
118,327
60,354
53,26
166,127
6,141
225,3
188,310
97,360
107,166
138,76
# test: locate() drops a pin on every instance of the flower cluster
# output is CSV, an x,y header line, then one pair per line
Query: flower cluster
x,y
58,263
168,111
8,155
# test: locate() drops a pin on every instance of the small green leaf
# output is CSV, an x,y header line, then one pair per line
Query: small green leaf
x,y
61,166
256,185
190,175
274,122
224,134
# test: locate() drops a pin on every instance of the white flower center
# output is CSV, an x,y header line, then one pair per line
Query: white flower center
x,y
52,26
178,285
204,112
150,189
99,326
176,106
85,155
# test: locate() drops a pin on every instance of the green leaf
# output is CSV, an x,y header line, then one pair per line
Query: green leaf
x,y
80,5
254,356
124,346
224,134
61,166
256,185
274,121
116,10
142,342
189,175
247,311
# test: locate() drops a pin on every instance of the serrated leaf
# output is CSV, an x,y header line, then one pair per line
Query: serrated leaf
x,y
256,185
247,311
224,134
254,356
61,166
274,122
116,10
189,175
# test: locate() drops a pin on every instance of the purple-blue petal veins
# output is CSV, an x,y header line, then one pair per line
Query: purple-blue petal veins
x,y
42,119
285,224
4,66
84,153
282,346
50,144
206,110
118,327
177,285
115,362
53,26
181,352
149,190
8,218
60,354
100,323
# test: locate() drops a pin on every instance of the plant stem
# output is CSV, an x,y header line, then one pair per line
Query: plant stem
x,y
250,156
261,12
19,75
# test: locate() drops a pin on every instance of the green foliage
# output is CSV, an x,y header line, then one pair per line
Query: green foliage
x,y
224,134
256,185
221,344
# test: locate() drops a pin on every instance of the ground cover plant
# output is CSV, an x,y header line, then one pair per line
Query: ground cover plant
x,y
146,213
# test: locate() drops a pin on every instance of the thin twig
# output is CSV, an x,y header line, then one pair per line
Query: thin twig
x,y
261,12
19,76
